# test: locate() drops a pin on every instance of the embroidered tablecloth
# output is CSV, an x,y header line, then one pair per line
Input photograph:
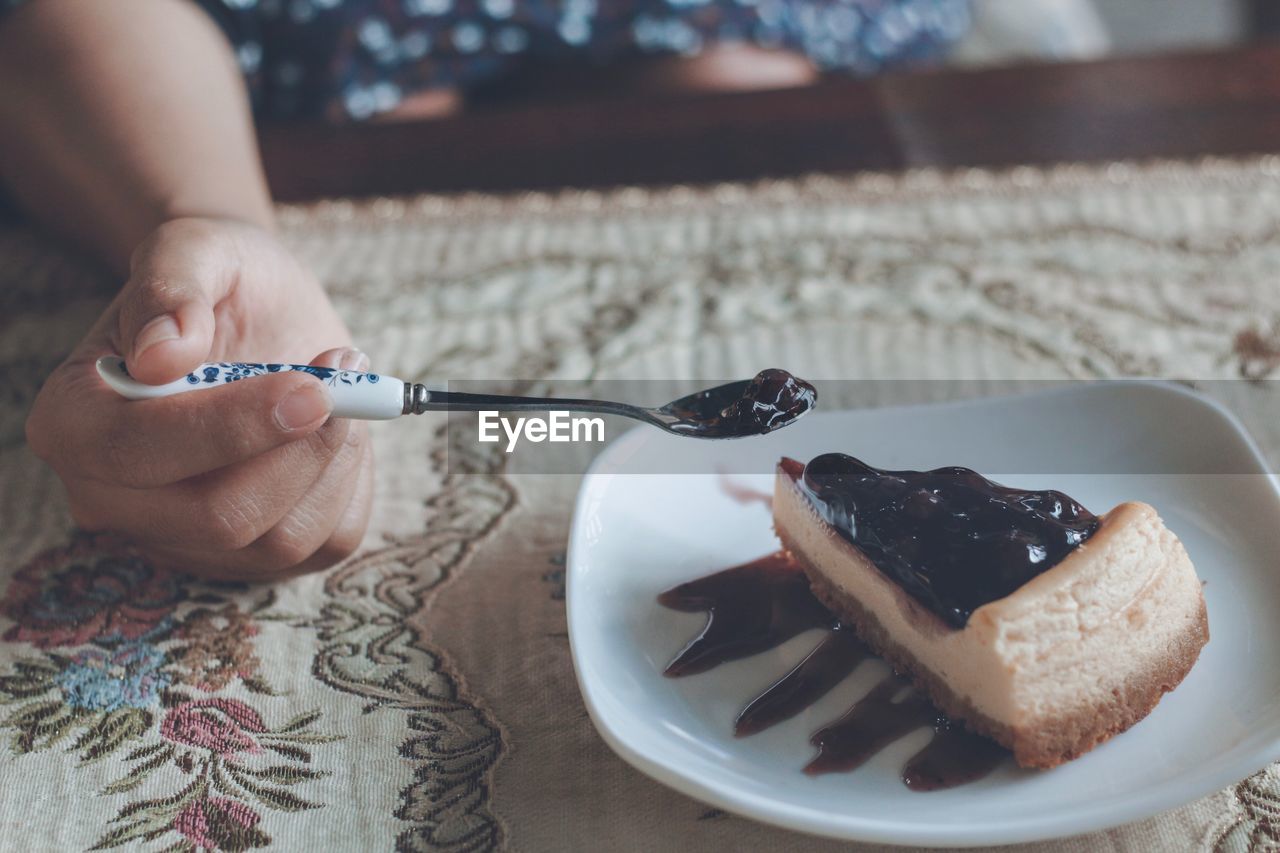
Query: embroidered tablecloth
x,y
421,696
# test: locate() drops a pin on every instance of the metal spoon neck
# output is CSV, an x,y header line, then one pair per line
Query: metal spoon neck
x,y
416,397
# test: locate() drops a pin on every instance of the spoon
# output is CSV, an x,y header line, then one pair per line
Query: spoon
x,y
770,401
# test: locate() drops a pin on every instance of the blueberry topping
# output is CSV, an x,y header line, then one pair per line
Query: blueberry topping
x,y
950,537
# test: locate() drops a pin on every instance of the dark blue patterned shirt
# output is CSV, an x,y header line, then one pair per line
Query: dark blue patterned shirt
x,y
358,58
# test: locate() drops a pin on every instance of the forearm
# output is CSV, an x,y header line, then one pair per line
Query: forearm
x,y
116,116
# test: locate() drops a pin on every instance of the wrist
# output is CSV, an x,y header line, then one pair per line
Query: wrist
x,y
256,215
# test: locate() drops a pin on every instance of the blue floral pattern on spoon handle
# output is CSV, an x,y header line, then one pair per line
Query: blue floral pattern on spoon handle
x,y
366,396
231,371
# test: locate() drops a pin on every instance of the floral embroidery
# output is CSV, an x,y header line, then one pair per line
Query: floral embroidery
x,y
117,640
222,726
219,648
119,598
220,824
210,739
97,680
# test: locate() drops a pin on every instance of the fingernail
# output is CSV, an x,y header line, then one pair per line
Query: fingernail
x,y
302,407
354,359
161,329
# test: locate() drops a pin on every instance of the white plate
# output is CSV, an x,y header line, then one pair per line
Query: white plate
x,y
636,534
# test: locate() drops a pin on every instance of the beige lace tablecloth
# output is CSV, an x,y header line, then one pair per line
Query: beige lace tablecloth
x,y
422,696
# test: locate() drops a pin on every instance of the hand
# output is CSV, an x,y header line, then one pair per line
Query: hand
x,y
251,480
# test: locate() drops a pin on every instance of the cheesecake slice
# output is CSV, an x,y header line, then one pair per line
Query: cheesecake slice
x,y
1036,623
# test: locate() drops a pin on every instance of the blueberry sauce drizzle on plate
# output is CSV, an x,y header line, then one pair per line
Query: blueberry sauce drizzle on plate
x,y
759,605
951,538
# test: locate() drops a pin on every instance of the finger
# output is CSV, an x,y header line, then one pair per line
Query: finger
x,y
224,510
312,535
342,358
145,444
166,317
87,431
350,532
267,560
323,529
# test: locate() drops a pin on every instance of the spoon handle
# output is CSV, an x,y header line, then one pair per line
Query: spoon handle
x,y
363,396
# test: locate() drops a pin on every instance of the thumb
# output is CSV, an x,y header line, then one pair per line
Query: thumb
x,y
166,320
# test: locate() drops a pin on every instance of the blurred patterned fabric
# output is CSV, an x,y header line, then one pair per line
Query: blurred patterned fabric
x,y
357,58
354,59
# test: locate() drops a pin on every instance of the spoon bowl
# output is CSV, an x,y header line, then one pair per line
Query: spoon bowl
x,y
770,401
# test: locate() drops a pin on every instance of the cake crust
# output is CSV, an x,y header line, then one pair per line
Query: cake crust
x,y
1041,740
